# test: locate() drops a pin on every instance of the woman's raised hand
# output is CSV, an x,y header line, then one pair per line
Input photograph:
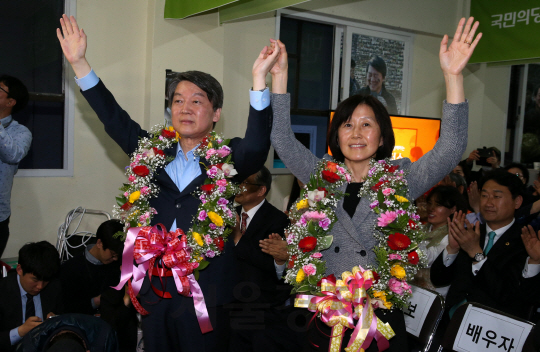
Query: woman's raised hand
x,y
279,71
73,43
263,64
454,57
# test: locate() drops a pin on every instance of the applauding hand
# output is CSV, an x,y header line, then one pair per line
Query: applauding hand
x,y
276,247
468,238
532,244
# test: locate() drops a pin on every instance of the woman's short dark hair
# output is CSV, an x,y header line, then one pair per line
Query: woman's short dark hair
x,y
40,259
506,179
448,197
377,63
343,114
523,169
206,82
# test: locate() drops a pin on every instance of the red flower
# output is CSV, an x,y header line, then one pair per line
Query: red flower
x,y
322,189
208,188
398,241
126,206
412,224
140,170
307,244
219,243
219,166
168,134
391,169
378,185
291,262
204,142
376,277
330,176
158,151
331,166
413,258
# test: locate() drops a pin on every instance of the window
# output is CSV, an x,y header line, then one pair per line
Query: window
x,y
31,53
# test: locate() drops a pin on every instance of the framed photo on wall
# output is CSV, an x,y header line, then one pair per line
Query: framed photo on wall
x,y
378,63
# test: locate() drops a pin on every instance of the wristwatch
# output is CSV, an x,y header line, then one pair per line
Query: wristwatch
x,y
478,257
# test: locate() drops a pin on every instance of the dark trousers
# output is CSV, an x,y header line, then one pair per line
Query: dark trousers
x,y
318,339
4,235
172,324
258,328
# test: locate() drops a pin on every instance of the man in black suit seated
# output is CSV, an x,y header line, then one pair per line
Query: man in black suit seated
x,y
29,294
496,263
259,318
84,277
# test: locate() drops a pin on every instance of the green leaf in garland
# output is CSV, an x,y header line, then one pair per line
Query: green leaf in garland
x,y
203,264
380,198
313,279
325,242
120,201
304,288
196,274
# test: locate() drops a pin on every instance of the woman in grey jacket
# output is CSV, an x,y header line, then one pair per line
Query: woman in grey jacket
x,y
361,130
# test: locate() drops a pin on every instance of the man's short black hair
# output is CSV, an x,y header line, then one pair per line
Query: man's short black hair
x,y
264,177
343,114
206,82
377,63
523,169
504,178
40,259
106,232
458,179
17,90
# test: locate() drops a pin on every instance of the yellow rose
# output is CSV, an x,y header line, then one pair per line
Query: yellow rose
x,y
215,218
209,144
134,196
401,199
398,271
302,204
379,294
388,304
170,128
197,237
300,276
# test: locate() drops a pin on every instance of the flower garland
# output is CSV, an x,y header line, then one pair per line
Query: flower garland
x,y
215,216
312,217
397,231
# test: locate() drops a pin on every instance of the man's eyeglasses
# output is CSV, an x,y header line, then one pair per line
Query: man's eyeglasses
x,y
5,91
518,175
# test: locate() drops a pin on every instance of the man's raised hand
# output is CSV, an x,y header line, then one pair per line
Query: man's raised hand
x,y
73,43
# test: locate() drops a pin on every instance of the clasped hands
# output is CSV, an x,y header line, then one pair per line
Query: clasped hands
x,y
276,247
462,234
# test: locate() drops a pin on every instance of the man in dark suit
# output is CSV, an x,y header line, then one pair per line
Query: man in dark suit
x,y
496,263
259,317
196,100
30,294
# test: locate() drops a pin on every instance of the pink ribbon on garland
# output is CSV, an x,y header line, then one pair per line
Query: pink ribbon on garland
x,y
146,245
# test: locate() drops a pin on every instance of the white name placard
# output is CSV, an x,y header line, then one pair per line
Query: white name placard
x,y
419,305
482,330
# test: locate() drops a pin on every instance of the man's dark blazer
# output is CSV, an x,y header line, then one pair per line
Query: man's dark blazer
x,y
11,306
254,266
248,154
498,284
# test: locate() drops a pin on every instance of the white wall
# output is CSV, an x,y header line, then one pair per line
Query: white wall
x,y
131,46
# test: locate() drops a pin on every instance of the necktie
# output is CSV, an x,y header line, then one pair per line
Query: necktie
x,y
243,226
490,242
30,308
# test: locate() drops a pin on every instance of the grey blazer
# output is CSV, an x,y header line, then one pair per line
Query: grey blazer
x,y
353,238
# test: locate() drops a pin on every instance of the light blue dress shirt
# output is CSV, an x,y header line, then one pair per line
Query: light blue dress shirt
x,y
14,333
184,168
15,141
